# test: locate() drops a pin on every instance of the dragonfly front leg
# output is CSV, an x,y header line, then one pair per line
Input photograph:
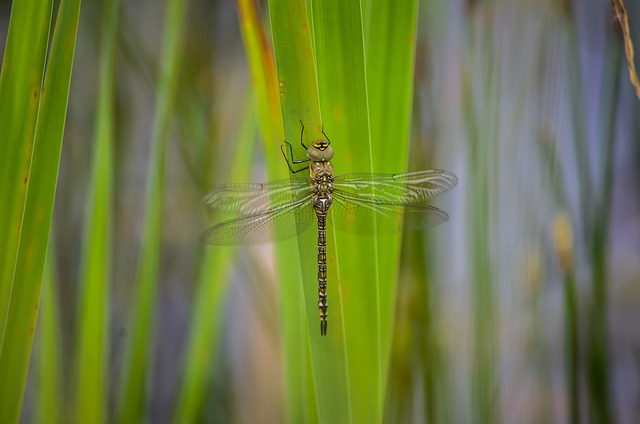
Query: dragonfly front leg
x,y
293,160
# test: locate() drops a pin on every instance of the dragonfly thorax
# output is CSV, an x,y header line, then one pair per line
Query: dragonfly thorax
x,y
321,170
322,180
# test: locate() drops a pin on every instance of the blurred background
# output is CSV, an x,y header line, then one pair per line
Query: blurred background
x,y
523,308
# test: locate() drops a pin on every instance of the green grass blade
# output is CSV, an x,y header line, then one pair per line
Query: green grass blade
x,y
49,361
390,79
272,92
34,237
91,363
20,85
598,350
295,63
390,53
481,122
134,378
298,95
340,54
348,366
212,290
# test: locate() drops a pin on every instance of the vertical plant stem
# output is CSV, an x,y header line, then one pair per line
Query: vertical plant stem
x,y
361,315
390,43
286,96
572,347
49,406
483,308
424,331
579,126
20,93
135,376
297,85
600,387
481,98
211,293
15,352
91,383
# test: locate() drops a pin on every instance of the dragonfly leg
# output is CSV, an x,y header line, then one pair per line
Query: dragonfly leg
x,y
294,161
325,135
301,134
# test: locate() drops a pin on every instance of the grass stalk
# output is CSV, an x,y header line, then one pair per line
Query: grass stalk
x,y
390,51
92,364
598,343
211,293
20,94
49,404
482,122
41,180
134,381
350,366
354,275
298,103
563,238
572,347
563,234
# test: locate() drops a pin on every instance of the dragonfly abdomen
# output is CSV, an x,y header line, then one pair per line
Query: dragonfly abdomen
x,y
322,274
321,205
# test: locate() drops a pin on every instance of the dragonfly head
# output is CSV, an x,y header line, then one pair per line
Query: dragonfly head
x,y
320,151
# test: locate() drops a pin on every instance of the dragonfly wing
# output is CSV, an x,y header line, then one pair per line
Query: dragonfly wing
x,y
278,223
407,188
353,215
256,198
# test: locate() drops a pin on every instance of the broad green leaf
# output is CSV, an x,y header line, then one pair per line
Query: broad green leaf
x,y
91,382
354,285
349,366
271,90
36,221
298,94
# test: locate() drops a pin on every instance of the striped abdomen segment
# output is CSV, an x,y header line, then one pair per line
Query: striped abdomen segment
x,y
321,205
322,272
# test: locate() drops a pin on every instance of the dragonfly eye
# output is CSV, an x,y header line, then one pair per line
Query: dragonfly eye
x,y
320,152
328,153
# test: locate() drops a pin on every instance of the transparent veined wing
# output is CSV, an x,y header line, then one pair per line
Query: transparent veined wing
x,y
255,198
279,223
408,188
353,214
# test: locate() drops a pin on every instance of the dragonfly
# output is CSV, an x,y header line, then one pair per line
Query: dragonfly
x,y
360,203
